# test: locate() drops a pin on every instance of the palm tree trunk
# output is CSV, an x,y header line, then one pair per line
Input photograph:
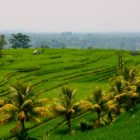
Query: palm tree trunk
x,y
23,130
99,115
69,125
68,118
22,125
110,116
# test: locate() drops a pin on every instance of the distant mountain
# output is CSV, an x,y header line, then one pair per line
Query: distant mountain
x,y
130,41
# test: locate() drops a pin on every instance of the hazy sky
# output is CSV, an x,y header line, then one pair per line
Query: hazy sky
x,y
70,15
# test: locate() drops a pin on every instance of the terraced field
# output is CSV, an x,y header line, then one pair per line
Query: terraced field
x,y
79,68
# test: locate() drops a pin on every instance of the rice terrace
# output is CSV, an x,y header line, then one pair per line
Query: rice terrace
x,y
83,92
69,70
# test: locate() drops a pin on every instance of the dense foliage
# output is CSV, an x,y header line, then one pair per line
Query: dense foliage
x,y
20,40
2,43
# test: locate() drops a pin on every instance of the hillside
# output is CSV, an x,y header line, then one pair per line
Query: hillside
x,y
57,67
126,127
80,68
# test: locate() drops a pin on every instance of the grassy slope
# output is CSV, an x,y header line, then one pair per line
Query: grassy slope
x,y
54,68
126,127
82,69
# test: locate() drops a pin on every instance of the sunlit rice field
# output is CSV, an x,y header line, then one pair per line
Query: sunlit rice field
x,y
82,69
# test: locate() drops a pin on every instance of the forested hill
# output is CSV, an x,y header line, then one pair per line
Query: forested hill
x,y
130,41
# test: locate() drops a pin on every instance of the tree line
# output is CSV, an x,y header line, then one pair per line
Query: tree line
x,y
18,40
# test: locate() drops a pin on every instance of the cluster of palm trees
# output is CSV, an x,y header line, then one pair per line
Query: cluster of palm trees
x,y
23,105
123,95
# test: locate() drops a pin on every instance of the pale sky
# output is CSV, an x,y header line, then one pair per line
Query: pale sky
x,y
70,15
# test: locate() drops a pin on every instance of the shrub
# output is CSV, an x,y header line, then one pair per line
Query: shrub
x,y
86,125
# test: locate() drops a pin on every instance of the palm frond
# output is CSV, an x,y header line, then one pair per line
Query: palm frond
x,y
83,105
27,104
41,111
42,102
67,96
111,106
107,96
6,118
129,74
97,94
21,115
34,119
96,107
134,95
132,74
59,109
9,108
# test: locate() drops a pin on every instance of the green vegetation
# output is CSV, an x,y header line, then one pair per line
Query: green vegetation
x,y
126,127
82,70
2,43
22,107
20,40
66,106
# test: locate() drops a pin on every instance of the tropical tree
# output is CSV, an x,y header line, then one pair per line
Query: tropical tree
x,y
66,105
23,107
117,85
20,41
2,43
129,74
125,88
111,107
97,103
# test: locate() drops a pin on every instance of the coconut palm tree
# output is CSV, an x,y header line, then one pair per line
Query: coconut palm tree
x,y
66,105
124,88
23,107
97,103
117,84
111,107
129,74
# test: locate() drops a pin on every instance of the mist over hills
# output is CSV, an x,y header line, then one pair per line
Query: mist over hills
x,y
129,41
